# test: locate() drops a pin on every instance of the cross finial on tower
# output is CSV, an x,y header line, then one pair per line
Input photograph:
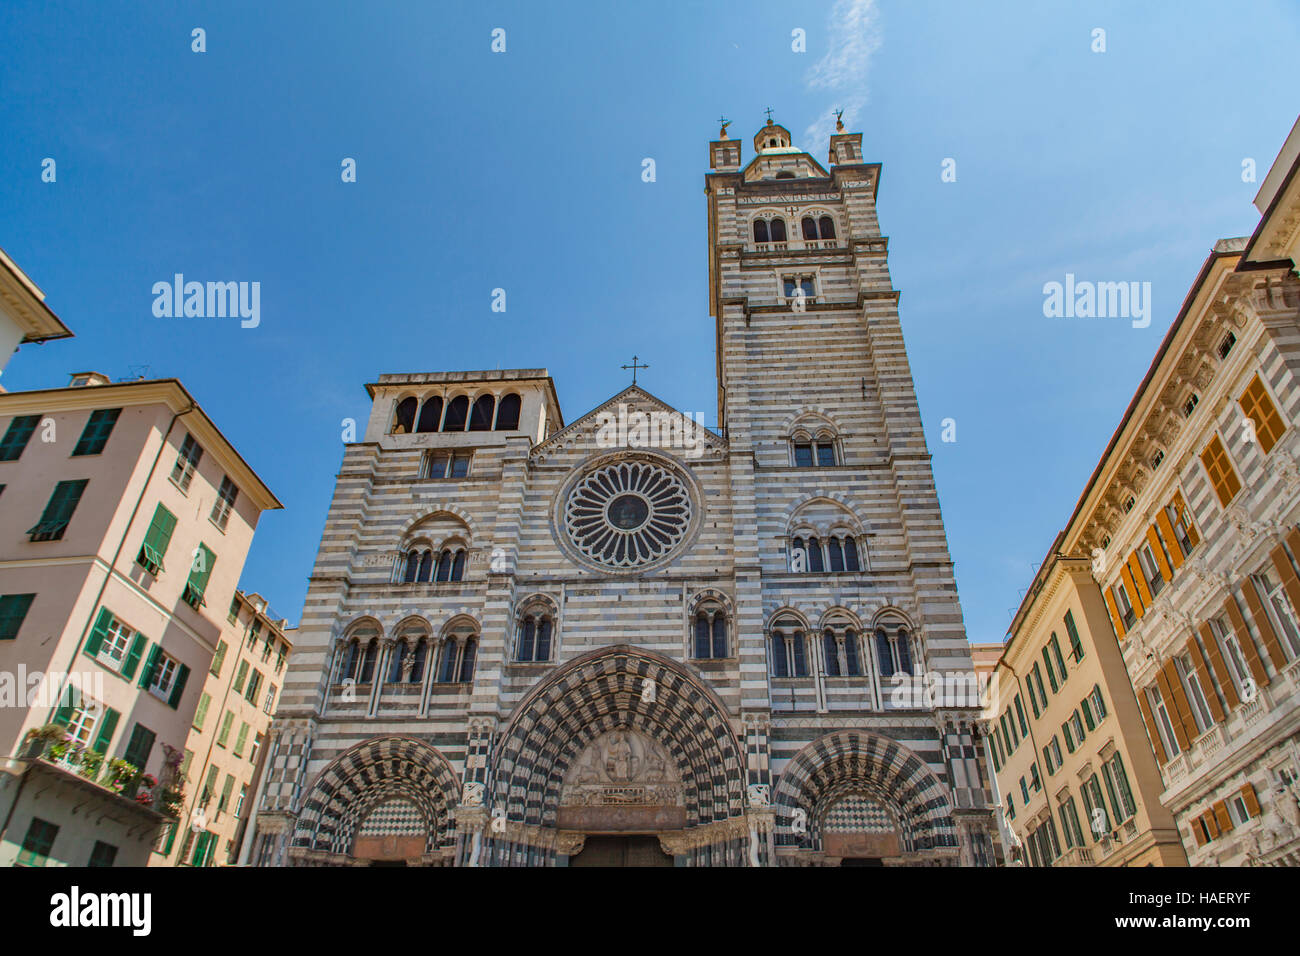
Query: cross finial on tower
x,y
634,366
839,121
769,115
725,123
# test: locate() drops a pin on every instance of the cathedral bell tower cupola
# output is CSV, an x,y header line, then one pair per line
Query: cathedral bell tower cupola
x,y
724,152
846,148
773,138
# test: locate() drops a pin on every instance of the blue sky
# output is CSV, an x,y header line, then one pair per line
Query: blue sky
x,y
522,171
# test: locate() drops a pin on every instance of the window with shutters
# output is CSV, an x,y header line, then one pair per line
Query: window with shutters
x,y
187,462
201,711
224,504
242,672
1024,789
81,721
156,540
241,739
1176,512
1094,805
1020,715
95,435
102,854
1164,724
227,722
1259,408
281,652
1117,786
255,685
1279,608
1076,724
233,614
1070,822
200,572
1098,702
1076,645
58,511
1233,658
1050,668
17,435
13,611
1218,467
218,659
166,670
139,747
257,746
1067,731
1195,693
1126,611
1055,646
269,703
1237,809
1150,569
116,643
38,843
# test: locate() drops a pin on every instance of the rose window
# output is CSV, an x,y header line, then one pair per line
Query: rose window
x,y
627,514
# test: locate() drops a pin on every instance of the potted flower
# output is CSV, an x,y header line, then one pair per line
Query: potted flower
x,y
39,739
91,762
121,774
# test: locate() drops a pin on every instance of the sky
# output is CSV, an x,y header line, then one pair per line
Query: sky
x,y
523,170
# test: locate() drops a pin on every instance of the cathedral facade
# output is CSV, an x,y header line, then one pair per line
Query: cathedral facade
x,y
634,640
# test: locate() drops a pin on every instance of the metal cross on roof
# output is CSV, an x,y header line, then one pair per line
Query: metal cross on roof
x,y
634,366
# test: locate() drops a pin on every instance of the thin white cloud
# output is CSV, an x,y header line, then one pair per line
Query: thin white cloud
x,y
854,30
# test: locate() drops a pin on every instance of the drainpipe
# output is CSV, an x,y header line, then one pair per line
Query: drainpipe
x,y
116,556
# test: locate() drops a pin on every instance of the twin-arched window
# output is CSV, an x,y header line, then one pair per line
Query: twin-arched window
x,y
816,556
821,228
456,662
841,651
359,661
769,230
788,649
710,633
420,566
810,452
457,415
894,651
408,662
533,643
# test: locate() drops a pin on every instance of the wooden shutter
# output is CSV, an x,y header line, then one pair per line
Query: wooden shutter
x,y
1151,726
1185,518
1126,572
1222,816
179,687
133,655
104,739
1115,619
1211,824
1220,666
201,711
66,707
1175,546
1171,689
97,633
1162,562
1263,623
1252,801
1139,578
150,664
1198,832
1293,539
1290,583
219,658
1246,642
1203,674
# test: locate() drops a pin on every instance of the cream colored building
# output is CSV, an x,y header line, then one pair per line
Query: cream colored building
x,y
125,523
1078,783
1191,517
24,316
226,747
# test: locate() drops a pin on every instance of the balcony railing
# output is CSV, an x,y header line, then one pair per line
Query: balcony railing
x,y
54,746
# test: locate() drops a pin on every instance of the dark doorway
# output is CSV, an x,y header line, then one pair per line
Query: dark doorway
x,y
621,851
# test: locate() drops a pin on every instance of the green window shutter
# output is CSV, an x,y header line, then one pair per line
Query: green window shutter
x,y
200,571
201,712
241,739
13,611
17,435
219,658
150,665
58,510
240,675
178,688
95,436
97,633
226,723
171,839
104,739
133,655
66,707
141,746
156,540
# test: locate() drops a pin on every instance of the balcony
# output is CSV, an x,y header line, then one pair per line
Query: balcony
x,y
51,746
1079,856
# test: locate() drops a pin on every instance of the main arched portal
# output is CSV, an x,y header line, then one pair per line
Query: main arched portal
x,y
616,744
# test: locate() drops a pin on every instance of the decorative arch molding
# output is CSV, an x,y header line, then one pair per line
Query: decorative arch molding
x,y
823,497
839,614
461,619
787,609
707,596
856,760
604,690
843,520
401,625
893,614
811,416
538,600
370,774
439,509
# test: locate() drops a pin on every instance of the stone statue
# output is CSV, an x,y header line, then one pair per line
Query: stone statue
x,y
472,795
760,795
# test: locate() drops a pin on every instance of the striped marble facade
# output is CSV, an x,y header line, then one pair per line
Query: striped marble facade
x,y
756,763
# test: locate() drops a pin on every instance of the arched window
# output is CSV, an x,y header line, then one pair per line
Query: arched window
x,y
426,567
400,653
457,409
885,653
760,230
404,417
480,417
458,565
778,230
831,651
444,567
411,566
459,648
853,664
851,555
809,227
447,666
815,562
894,651
508,413
421,654
350,658
788,653
368,663
710,632
533,644
467,661
836,552
827,227
903,644
430,415
819,452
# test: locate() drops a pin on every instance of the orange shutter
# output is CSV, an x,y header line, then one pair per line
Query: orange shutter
x,y
1293,539
1219,664
1252,801
1263,624
1138,607
1140,579
1175,546
1175,704
1115,619
1211,823
1247,644
1203,674
1222,816
1185,516
1162,562
1151,726
1290,583
1198,832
